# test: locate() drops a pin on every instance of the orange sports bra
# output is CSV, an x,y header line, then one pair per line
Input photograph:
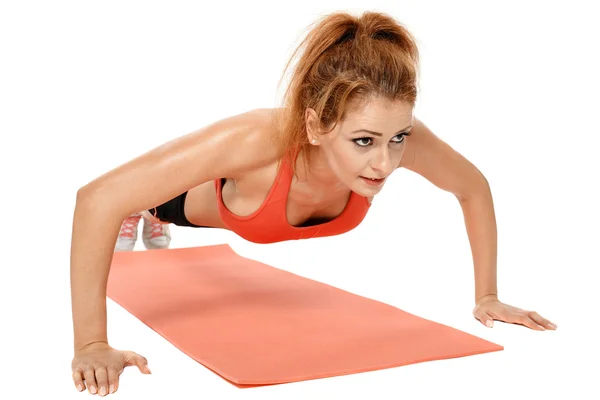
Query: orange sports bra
x,y
269,223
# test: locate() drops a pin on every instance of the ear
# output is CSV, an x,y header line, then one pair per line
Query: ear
x,y
312,122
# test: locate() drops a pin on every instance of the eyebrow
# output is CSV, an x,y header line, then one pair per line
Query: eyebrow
x,y
380,134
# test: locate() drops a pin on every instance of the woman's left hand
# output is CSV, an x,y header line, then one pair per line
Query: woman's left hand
x,y
489,309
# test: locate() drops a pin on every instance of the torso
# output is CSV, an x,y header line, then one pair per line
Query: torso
x,y
243,196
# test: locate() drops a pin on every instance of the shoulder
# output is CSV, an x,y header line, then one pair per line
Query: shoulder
x,y
262,136
250,140
260,131
435,160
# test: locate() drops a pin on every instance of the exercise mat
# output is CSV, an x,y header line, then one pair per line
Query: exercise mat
x,y
254,324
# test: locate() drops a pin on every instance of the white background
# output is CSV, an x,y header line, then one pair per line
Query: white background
x,y
513,86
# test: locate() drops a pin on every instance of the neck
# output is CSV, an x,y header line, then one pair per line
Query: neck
x,y
316,177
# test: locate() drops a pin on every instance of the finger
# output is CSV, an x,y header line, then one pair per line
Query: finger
x,y
90,380
102,381
484,318
113,379
141,362
523,319
78,380
541,320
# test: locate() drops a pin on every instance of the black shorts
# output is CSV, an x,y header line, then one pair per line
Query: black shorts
x,y
173,212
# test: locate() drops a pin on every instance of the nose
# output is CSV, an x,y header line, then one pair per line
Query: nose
x,y
382,162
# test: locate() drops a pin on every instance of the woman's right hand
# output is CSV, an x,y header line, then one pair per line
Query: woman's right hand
x,y
98,366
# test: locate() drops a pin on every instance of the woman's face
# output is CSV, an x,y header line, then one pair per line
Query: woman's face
x,y
364,149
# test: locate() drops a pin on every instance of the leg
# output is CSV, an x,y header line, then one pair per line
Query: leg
x,y
173,212
147,215
156,234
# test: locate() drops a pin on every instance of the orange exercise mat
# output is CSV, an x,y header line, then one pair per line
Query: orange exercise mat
x,y
254,324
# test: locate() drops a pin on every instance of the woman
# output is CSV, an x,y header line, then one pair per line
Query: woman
x,y
307,169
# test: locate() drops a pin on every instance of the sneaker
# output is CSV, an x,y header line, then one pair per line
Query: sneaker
x,y
128,233
156,235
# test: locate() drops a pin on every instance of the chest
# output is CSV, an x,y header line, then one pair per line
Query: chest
x,y
303,207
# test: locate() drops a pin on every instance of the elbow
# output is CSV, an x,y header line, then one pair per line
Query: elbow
x,y
85,193
91,197
477,187
96,189
81,194
95,199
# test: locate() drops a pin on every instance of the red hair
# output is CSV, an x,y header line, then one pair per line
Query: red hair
x,y
346,62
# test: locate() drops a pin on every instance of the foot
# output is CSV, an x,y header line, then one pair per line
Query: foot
x,y
156,235
128,233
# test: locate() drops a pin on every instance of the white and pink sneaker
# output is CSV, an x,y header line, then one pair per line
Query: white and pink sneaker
x,y
128,233
156,235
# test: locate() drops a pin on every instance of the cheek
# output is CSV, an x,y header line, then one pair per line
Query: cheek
x,y
348,162
398,155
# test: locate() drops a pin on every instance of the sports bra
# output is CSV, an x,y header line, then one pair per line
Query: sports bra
x,y
269,224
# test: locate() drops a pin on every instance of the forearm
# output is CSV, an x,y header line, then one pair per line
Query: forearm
x,y
92,247
480,222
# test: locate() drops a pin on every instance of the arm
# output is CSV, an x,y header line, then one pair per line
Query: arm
x,y
223,149
447,169
435,160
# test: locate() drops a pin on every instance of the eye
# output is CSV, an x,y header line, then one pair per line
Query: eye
x,y
361,141
399,138
367,141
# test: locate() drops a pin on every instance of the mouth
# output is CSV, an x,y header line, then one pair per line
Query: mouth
x,y
373,181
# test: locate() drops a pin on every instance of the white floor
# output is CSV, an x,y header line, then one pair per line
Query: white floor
x,y
512,87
